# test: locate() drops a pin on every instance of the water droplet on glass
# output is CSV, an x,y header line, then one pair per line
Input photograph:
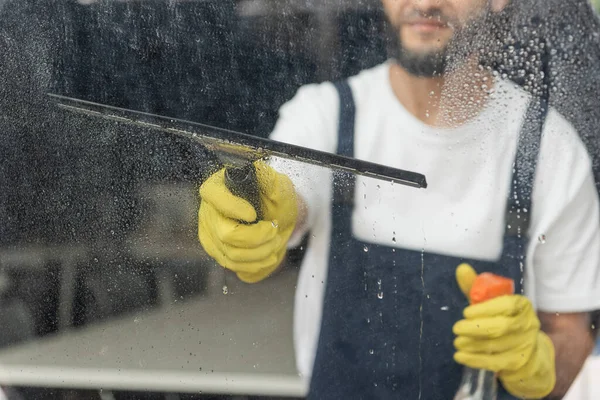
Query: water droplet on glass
x,y
542,239
380,295
275,224
371,351
225,289
366,249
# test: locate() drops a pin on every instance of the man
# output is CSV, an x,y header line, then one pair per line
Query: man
x,y
382,299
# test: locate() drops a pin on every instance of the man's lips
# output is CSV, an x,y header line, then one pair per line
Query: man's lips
x,y
426,25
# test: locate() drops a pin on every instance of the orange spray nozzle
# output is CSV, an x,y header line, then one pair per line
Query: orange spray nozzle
x,y
488,285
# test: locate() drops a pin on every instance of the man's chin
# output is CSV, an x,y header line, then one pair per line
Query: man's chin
x,y
420,64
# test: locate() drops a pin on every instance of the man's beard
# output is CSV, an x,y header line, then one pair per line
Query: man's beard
x,y
473,38
425,65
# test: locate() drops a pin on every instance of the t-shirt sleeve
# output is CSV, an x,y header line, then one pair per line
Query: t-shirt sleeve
x,y
565,232
309,120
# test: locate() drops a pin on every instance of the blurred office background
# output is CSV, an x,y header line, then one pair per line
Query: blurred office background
x,y
99,219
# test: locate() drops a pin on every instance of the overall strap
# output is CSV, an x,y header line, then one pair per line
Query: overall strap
x,y
518,213
519,205
346,119
343,182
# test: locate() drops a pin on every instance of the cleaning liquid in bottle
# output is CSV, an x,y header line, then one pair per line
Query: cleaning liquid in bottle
x,y
477,384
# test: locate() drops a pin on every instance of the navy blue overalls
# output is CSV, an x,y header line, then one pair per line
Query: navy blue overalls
x,y
400,345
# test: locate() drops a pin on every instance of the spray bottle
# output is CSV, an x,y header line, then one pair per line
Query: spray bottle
x,y
479,384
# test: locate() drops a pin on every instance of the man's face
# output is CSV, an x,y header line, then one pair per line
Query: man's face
x,y
423,30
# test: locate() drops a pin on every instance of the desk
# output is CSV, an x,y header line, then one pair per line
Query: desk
x,y
161,254
38,257
238,343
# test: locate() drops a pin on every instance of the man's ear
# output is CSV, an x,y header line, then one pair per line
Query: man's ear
x,y
498,5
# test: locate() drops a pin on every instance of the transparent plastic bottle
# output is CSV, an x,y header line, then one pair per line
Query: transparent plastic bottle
x,y
477,384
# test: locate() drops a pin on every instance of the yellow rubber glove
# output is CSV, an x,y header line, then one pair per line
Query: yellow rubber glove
x,y
503,335
252,251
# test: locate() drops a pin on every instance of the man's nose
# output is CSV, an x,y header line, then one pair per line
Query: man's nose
x,y
425,5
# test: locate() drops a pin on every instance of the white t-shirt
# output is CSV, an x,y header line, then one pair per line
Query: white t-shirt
x,y
461,212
